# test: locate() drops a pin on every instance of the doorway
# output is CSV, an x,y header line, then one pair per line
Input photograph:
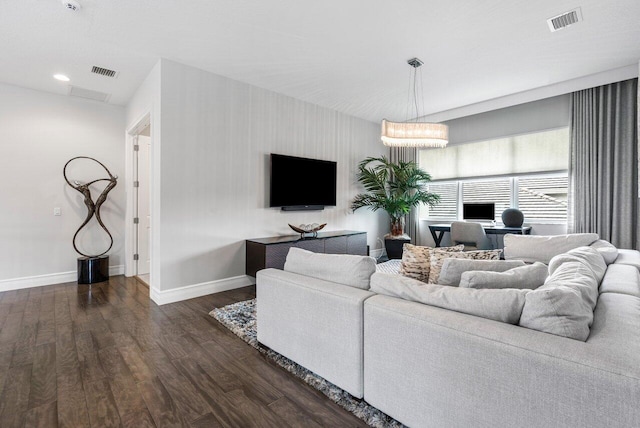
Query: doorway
x,y
141,201
143,226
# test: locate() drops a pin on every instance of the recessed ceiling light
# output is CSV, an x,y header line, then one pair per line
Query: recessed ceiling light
x,y
71,5
61,77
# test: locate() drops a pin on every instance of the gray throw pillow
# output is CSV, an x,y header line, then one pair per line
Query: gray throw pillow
x,y
527,277
438,258
564,305
452,269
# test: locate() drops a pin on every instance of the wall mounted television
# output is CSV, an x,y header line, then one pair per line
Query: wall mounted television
x,y
299,184
479,211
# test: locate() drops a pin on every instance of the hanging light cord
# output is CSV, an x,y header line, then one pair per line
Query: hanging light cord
x,y
415,91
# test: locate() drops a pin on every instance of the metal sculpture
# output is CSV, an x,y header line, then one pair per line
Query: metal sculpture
x,y
93,208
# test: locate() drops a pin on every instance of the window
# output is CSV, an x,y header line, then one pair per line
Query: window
x,y
527,169
497,191
447,208
543,198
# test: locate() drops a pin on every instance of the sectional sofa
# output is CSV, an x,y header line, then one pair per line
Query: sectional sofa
x,y
431,356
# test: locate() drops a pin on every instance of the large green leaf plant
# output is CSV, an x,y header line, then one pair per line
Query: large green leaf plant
x,y
393,187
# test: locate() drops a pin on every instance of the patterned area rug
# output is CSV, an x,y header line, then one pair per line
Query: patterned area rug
x,y
240,318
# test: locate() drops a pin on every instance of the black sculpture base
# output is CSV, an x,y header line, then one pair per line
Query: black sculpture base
x,y
93,269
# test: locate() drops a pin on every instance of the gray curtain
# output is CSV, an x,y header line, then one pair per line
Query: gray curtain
x,y
407,154
603,168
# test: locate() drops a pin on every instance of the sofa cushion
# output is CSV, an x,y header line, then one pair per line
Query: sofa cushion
x,y
499,305
416,260
524,277
438,258
629,257
588,256
452,269
538,248
621,279
606,249
345,269
564,304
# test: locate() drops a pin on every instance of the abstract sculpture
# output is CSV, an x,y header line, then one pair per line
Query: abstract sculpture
x,y
93,208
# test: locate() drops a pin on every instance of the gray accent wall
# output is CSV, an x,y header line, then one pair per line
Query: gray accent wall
x,y
215,138
549,113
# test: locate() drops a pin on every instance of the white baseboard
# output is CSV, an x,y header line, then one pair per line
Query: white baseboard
x,y
49,279
376,253
162,297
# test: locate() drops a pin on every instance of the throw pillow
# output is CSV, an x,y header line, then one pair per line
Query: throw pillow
x,y
452,269
438,258
416,260
590,258
527,277
564,304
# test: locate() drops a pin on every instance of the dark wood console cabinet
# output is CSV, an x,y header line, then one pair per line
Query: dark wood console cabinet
x,y
272,252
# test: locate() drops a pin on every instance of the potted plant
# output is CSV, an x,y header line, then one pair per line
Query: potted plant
x,y
395,188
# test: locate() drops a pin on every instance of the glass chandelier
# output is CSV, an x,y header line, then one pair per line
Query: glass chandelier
x,y
414,134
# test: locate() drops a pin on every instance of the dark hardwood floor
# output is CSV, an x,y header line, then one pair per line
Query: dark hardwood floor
x,y
75,356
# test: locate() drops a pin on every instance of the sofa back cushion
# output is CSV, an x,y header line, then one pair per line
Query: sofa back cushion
x,y
499,305
621,279
452,269
416,260
607,250
538,248
523,277
354,271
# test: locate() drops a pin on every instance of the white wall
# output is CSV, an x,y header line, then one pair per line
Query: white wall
x,y
217,134
39,133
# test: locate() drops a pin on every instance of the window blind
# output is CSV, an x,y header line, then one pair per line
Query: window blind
x,y
536,152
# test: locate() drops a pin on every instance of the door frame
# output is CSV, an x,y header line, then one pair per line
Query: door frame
x,y
154,177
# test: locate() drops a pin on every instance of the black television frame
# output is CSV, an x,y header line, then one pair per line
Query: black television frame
x,y
330,178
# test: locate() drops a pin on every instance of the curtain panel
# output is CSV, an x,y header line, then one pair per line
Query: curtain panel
x,y
603,167
407,154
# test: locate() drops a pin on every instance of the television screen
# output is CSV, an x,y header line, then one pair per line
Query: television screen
x,y
301,182
479,211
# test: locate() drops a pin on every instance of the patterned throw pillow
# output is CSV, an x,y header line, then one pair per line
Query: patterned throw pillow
x,y
438,258
416,261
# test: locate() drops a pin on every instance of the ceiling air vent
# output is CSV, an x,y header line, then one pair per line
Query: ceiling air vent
x,y
104,71
75,91
564,20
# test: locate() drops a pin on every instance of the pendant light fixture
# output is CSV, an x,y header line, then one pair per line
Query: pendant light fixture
x,y
414,134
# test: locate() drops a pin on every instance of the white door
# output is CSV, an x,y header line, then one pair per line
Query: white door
x,y
144,206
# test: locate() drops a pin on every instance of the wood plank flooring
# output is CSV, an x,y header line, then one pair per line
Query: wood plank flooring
x,y
107,356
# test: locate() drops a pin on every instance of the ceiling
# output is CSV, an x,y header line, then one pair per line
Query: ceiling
x,y
348,55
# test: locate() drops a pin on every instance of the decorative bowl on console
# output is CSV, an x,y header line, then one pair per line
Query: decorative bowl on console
x,y
308,228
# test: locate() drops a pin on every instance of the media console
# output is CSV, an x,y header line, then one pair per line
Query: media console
x,y
272,252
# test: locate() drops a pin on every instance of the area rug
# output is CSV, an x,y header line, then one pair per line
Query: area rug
x,y
240,318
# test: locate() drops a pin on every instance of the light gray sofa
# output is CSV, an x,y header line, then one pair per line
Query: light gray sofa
x,y
317,321
433,367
